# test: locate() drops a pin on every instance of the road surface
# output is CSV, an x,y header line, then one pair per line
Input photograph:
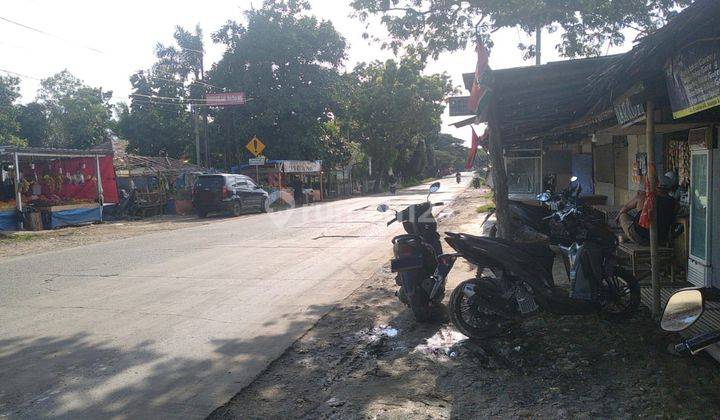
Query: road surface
x,y
173,324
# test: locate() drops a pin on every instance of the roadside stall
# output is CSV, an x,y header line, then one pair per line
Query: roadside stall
x,y
50,188
154,184
289,180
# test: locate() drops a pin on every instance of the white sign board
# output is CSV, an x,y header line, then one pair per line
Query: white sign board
x,y
224,99
257,161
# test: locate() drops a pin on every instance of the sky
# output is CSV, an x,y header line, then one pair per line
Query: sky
x,y
104,42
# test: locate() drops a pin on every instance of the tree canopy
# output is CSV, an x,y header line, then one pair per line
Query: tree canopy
x,y
395,113
9,93
430,27
286,63
78,116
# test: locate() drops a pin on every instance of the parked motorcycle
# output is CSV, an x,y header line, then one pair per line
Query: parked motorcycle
x,y
684,308
418,260
532,219
522,276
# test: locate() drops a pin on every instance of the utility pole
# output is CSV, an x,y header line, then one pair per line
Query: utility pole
x,y
197,135
538,45
204,113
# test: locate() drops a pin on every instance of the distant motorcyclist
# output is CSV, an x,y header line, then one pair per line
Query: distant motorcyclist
x,y
458,177
392,182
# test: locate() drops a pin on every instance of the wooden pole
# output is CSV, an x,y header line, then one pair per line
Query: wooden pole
x,y
502,212
652,177
101,198
18,192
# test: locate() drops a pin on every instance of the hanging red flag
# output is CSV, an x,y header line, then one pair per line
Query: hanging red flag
x,y
473,150
480,92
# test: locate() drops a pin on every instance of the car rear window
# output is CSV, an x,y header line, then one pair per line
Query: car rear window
x,y
215,182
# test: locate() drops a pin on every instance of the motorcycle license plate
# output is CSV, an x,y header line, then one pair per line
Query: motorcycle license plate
x,y
405,264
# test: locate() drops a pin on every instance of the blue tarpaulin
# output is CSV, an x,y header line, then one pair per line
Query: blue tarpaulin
x,y
8,220
76,217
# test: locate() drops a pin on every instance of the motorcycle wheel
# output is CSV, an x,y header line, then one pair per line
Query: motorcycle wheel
x,y
472,318
620,295
421,306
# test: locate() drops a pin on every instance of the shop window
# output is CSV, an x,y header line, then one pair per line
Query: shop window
x,y
523,169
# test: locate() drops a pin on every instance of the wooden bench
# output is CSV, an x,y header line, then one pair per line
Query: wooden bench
x,y
639,258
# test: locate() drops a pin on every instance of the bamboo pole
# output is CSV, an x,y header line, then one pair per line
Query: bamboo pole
x,y
497,159
652,178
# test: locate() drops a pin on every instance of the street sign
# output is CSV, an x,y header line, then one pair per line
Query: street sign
x,y
459,106
255,146
224,99
258,161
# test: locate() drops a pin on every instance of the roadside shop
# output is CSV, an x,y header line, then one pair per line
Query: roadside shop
x,y
50,188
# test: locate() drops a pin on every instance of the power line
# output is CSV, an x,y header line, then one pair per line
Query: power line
x,y
40,31
19,74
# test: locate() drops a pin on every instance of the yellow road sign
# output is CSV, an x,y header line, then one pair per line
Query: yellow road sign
x,y
255,146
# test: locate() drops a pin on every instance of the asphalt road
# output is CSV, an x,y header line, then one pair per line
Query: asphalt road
x,y
173,324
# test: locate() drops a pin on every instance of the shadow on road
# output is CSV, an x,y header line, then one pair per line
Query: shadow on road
x,y
51,377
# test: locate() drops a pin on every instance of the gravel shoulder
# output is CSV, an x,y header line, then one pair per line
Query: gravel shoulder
x,y
26,243
368,358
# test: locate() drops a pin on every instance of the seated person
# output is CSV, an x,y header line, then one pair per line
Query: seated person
x,y
665,208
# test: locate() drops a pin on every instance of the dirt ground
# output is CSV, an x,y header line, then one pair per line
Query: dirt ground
x,y
37,242
369,359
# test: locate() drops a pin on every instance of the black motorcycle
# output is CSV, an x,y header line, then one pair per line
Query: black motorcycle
x,y
684,308
522,281
419,262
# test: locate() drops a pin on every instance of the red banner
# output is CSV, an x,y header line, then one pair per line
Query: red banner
x,y
473,150
73,178
480,93
224,99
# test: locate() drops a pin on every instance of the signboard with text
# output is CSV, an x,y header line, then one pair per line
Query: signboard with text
x,y
301,166
459,106
258,161
225,99
629,107
693,78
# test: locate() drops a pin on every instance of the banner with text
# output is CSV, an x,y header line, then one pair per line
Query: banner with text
x,y
693,78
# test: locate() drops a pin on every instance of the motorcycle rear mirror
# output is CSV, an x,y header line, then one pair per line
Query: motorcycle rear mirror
x,y
543,197
435,187
382,208
682,310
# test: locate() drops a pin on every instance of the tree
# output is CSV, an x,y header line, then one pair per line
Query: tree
x,y
395,111
9,93
447,152
430,27
33,119
79,116
286,62
158,119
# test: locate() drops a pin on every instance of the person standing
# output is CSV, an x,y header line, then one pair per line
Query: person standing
x,y
298,193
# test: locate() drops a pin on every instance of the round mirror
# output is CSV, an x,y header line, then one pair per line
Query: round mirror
x,y
683,309
543,197
382,208
434,187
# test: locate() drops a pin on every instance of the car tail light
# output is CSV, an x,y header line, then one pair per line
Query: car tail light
x,y
225,191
